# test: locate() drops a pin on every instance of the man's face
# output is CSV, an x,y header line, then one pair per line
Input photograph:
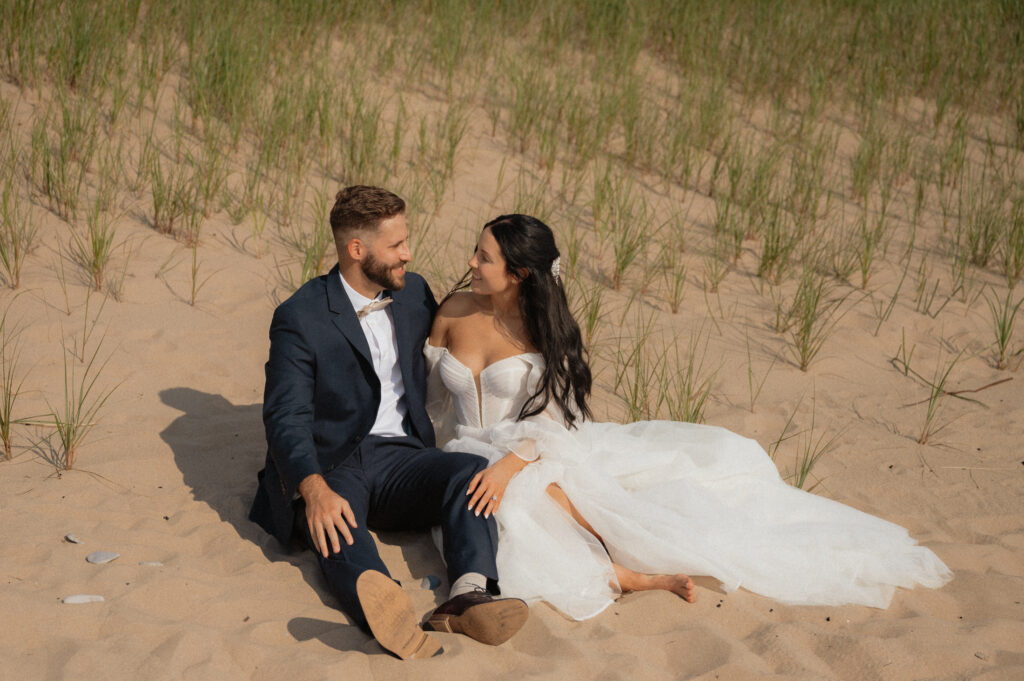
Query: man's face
x,y
388,253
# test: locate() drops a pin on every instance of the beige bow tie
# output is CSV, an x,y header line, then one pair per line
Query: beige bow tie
x,y
373,306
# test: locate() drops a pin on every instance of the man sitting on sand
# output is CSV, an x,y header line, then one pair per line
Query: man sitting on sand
x,y
349,443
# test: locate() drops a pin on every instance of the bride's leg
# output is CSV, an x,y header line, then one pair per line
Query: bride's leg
x,y
629,580
681,585
556,493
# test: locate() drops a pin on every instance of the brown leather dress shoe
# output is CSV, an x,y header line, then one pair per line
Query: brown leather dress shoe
x,y
480,616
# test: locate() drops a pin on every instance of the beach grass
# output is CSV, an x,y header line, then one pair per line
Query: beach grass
x,y
638,364
815,314
11,383
796,143
18,234
883,308
756,385
936,396
92,250
75,417
812,445
686,382
1004,314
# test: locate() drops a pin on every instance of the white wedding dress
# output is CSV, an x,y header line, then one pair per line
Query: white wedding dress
x,y
665,497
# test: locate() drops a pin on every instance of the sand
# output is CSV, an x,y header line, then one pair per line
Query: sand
x,y
168,473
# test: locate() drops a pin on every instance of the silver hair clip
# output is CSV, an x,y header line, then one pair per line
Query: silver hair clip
x,y
556,267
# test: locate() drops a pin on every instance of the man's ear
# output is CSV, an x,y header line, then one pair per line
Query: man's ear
x,y
355,248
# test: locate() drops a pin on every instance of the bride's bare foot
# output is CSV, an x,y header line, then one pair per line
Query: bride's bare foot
x,y
681,585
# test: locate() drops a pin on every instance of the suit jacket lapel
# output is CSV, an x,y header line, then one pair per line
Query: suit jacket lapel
x,y
345,316
410,345
403,339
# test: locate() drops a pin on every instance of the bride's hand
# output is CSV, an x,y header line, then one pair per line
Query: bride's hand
x,y
487,488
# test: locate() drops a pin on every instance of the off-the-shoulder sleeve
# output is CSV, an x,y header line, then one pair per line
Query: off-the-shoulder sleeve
x,y
542,435
439,400
544,425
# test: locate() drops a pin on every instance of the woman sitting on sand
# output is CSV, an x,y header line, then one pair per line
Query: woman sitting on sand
x,y
588,510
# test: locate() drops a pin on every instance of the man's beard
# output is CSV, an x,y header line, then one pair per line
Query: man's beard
x,y
382,274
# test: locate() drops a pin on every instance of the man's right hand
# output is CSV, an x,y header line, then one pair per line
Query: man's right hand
x,y
327,515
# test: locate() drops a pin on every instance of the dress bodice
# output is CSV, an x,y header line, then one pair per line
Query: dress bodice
x,y
504,386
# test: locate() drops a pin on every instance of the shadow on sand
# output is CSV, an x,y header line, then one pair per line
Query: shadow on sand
x,y
219,448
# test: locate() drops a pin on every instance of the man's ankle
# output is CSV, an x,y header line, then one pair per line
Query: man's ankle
x,y
471,581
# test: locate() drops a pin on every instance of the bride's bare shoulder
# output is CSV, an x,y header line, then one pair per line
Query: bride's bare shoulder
x,y
459,304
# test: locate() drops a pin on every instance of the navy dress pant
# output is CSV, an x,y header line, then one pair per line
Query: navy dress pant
x,y
394,483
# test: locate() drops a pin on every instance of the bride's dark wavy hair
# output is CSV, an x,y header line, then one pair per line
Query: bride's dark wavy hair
x,y
528,244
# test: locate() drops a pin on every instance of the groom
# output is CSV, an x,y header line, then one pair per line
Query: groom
x,y
349,443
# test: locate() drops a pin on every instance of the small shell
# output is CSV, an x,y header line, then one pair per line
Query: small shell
x,y
72,539
83,598
100,557
430,582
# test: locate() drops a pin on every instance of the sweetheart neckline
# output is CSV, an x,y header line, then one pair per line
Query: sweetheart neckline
x,y
492,364
478,378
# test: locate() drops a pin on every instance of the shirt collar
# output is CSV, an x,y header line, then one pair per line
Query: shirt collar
x,y
358,300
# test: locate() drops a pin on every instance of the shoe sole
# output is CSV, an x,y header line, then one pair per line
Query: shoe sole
x,y
491,623
390,614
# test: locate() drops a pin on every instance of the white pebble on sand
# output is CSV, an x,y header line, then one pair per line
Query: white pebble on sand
x,y
83,598
151,563
72,539
100,557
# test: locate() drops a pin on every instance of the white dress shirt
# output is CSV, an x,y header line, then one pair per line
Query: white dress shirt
x,y
379,329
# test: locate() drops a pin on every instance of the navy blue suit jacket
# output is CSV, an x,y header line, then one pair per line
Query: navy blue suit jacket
x,y
322,394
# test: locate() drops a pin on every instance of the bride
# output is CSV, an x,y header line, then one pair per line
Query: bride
x,y
588,510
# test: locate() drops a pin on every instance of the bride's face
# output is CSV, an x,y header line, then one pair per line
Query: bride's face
x,y
490,275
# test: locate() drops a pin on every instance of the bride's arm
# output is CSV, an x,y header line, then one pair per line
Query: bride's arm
x,y
439,329
438,399
487,488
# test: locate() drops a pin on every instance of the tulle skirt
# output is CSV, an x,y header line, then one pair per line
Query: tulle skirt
x,y
668,497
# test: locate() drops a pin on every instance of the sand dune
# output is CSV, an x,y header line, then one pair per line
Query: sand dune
x,y
168,473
